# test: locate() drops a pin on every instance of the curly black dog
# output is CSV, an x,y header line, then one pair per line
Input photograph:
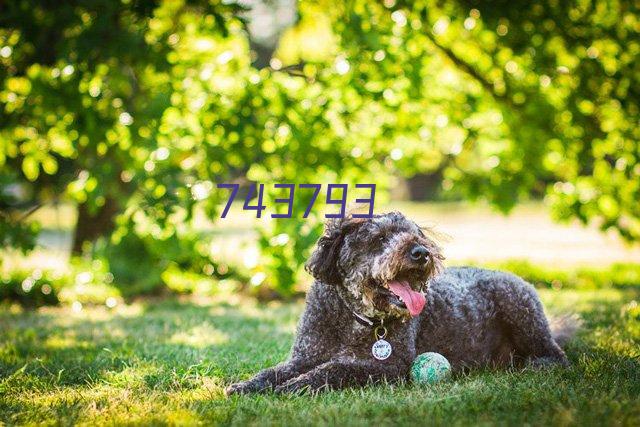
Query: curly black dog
x,y
385,274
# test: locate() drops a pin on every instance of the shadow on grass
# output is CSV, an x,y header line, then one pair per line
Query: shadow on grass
x,y
165,345
168,348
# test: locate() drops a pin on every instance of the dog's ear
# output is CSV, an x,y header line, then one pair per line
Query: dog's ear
x,y
323,263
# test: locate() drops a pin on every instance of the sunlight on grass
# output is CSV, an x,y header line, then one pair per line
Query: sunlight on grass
x,y
60,342
168,362
131,377
199,336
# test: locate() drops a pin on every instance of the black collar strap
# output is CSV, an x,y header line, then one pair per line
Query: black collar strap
x,y
367,321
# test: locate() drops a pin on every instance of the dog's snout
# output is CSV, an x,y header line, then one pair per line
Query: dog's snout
x,y
419,253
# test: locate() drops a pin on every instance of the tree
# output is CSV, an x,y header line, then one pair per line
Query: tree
x,y
509,100
86,89
136,111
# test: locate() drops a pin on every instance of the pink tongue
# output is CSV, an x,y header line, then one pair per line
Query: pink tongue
x,y
412,299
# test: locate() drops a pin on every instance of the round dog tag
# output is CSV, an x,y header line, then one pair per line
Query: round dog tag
x,y
381,349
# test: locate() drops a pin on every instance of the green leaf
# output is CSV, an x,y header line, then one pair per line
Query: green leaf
x,y
30,168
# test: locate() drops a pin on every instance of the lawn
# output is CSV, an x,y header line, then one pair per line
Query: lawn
x,y
167,361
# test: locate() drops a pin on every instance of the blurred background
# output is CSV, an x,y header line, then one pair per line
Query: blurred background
x,y
512,131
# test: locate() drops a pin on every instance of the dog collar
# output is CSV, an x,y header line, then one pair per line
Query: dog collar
x,y
367,321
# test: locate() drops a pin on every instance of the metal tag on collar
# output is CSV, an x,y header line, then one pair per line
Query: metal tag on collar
x,y
381,349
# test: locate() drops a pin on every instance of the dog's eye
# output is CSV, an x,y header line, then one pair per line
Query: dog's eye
x,y
383,238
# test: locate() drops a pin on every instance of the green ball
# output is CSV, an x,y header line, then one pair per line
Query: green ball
x,y
429,368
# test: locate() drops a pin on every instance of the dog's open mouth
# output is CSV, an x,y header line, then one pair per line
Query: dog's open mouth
x,y
401,294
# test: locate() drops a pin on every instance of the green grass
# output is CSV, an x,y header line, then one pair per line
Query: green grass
x,y
167,361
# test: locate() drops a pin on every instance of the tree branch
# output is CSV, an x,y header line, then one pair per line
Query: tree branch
x,y
468,69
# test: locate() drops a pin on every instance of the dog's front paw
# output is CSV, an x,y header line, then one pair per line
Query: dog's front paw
x,y
244,387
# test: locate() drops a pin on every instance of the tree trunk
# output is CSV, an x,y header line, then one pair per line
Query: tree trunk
x,y
90,227
424,186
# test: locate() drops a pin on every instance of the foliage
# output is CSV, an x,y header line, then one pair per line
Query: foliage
x,y
137,109
153,131
112,65
92,282
84,283
617,275
167,362
140,263
14,231
507,99
32,289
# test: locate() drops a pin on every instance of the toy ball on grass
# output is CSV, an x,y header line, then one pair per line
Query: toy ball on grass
x,y
430,368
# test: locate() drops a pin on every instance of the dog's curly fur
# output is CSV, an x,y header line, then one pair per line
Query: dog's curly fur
x,y
472,316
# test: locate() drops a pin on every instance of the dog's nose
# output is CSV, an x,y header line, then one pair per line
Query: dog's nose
x,y
419,253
